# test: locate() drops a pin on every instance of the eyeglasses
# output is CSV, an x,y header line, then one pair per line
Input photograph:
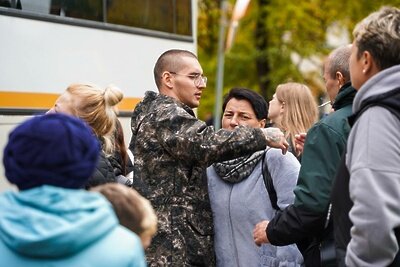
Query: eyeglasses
x,y
197,78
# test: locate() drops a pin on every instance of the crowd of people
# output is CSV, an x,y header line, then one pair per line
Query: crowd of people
x,y
273,187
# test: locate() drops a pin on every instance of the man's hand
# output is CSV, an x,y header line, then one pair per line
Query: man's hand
x,y
275,138
299,141
260,233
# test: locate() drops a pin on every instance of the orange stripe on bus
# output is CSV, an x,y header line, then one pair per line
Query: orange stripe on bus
x,y
46,101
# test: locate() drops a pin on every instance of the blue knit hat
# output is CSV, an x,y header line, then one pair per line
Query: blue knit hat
x,y
51,149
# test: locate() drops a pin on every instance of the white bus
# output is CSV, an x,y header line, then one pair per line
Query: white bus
x,y
45,45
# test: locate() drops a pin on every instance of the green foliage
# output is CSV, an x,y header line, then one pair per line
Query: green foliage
x,y
292,28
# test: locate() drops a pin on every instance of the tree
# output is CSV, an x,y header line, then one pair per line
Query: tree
x,y
261,37
274,40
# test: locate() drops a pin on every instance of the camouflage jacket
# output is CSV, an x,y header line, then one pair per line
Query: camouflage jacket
x,y
172,150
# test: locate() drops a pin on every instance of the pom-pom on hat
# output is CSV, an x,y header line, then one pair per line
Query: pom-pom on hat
x,y
51,149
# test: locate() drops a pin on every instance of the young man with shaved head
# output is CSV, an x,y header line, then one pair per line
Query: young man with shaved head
x,y
172,150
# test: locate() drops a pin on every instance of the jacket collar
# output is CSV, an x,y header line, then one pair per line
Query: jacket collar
x,y
345,96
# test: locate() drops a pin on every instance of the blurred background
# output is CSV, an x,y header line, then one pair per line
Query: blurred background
x,y
275,41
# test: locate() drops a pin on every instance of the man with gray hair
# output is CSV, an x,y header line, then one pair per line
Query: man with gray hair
x,y
304,221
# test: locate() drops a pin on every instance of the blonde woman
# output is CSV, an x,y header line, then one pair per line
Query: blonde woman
x,y
294,110
97,107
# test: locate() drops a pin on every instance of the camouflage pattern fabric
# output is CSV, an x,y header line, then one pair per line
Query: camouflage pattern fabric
x,y
172,150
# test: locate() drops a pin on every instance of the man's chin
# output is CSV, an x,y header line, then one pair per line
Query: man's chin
x,y
195,104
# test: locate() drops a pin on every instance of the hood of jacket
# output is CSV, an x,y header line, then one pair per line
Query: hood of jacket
x,y
141,110
53,222
381,83
147,107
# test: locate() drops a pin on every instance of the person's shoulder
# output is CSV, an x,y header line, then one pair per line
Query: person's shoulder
x,y
338,116
124,246
129,243
275,154
164,106
103,173
336,122
151,103
127,236
385,124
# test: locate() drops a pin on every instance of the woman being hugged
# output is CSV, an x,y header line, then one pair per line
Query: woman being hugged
x,y
238,193
294,110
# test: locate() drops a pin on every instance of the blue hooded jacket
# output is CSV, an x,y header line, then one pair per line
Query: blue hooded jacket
x,y
54,226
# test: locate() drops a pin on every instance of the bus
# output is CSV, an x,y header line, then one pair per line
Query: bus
x,y
47,45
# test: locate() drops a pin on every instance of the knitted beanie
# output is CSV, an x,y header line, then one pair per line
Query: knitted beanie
x,y
52,149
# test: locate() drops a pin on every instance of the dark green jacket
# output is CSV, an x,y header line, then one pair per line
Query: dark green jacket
x,y
325,143
324,146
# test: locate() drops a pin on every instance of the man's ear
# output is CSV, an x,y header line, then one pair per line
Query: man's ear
x,y
340,79
367,62
166,79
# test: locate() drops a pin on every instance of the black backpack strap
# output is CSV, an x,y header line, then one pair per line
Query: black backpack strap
x,y
269,183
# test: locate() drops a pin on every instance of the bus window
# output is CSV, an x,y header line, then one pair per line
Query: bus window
x,y
183,17
11,3
160,15
80,9
171,16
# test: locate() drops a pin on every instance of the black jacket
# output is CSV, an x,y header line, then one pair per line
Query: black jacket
x,y
103,173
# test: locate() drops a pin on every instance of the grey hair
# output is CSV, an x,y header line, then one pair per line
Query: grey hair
x,y
339,62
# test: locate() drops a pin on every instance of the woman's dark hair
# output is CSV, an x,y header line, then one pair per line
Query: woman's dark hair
x,y
120,147
257,102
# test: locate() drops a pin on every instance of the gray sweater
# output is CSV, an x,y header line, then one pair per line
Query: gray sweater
x,y
373,161
238,207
